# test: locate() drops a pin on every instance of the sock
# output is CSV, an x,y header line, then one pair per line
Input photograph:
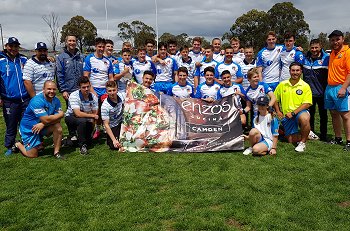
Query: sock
x,y
338,138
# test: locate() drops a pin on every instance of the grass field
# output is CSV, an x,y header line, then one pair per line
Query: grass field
x,y
151,191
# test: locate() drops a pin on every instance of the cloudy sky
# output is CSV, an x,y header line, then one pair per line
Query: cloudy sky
x,y
209,18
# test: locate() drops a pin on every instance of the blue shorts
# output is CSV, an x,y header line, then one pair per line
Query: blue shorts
x,y
31,140
273,85
162,86
291,125
267,142
100,91
333,102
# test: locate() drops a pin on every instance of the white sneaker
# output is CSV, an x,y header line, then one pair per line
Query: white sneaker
x,y
74,138
301,147
313,136
248,151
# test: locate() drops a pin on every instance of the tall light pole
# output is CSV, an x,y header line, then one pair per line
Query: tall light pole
x,y
2,37
106,12
157,35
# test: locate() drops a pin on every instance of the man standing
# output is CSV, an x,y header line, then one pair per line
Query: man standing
x,y
109,51
268,61
237,56
289,54
38,70
141,64
248,63
218,55
315,74
12,90
185,60
336,94
81,114
69,67
293,98
149,44
41,118
196,52
231,66
99,70
208,61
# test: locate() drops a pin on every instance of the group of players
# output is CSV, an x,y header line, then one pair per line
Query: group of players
x,y
268,87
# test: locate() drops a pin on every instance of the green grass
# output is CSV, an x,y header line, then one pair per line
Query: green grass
x,y
161,191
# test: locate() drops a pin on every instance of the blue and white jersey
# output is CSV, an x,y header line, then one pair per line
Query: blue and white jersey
x,y
218,57
148,58
76,101
38,73
123,81
245,66
204,91
196,56
200,70
252,94
233,68
99,69
226,91
140,67
269,60
191,67
112,111
181,91
267,126
38,107
238,57
165,73
287,57
112,58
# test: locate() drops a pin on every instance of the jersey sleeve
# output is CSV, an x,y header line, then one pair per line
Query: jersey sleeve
x,y
74,101
87,64
274,126
153,68
170,90
95,103
116,69
259,60
299,57
28,71
198,94
267,89
38,108
239,73
197,72
110,68
104,111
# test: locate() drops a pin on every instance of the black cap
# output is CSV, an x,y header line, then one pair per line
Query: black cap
x,y
263,101
13,40
336,33
40,45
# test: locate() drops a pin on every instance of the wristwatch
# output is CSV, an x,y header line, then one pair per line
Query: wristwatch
x,y
293,114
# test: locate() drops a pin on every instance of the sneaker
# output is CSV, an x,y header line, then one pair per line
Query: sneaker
x,y
248,151
301,147
83,150
8,152
336,141
59,156
97,134
74,138
347,147
313,136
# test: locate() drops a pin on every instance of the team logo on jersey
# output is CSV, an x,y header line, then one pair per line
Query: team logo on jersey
x,y
320,62
269,124
269,62
301,57
216,87
45,75
292,55
261,90
137,71
234,68
299,92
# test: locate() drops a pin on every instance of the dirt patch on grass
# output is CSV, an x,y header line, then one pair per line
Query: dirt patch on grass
x,y
344,204
234,223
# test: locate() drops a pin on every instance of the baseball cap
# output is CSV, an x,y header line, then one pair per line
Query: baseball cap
x,y
336,33
40,45
13,40
263,101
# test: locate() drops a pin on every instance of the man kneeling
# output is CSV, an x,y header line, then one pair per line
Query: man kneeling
x,y
81,114
41,118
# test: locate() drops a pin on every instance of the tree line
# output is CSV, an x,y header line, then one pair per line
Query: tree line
x,y
250,28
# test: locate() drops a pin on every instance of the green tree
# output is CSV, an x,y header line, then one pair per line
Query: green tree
x,y
250,28
181,39
136,32
323,37
83,29
283,17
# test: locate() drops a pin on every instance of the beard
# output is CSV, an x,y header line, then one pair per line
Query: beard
x,y
42,57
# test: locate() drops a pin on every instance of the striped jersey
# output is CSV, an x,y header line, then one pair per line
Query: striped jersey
x,y
112,111
76,101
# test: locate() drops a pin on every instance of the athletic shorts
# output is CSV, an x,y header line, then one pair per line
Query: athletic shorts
x,y
291,125
100,91
31,140
333,102
162,86
273,85
267,142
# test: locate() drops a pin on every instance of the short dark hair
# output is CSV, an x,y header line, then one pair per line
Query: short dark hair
x,y
197,39
150,41
126,50
182,69
211,69
141,48
207,47
225,72
111,83
83,79
148,72
288,35
184,47
108,41
315,41
162,44
172,41
99,40
295,64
